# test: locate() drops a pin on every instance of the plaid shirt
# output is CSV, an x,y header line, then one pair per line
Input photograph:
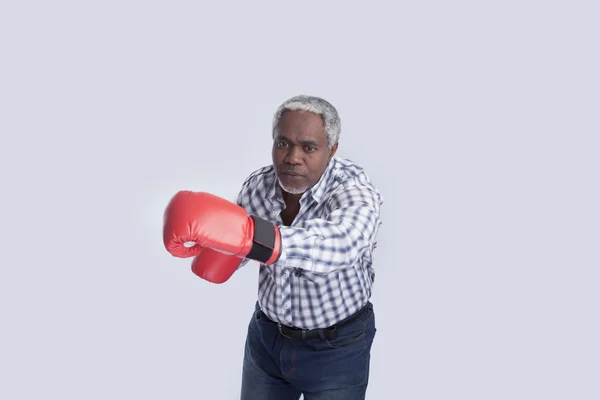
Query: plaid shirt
x,y
325,272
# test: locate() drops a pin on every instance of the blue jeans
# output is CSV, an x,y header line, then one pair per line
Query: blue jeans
x,y
278,367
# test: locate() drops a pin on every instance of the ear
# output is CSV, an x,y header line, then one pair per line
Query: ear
x,y
332,152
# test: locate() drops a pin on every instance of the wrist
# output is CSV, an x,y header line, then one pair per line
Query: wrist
x,y
276,248
266,241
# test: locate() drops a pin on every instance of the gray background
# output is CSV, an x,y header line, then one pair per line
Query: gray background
x,y
478,121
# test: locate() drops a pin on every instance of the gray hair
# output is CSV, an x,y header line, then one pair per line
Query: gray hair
x,y
316,105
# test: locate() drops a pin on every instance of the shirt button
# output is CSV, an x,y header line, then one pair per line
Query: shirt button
x,y
286,306
285,275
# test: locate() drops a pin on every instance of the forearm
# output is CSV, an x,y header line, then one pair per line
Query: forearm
x,y
322,246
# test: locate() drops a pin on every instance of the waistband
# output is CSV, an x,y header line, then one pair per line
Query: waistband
x,y
322,333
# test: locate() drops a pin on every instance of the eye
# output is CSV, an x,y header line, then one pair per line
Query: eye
x,y
309,148
281,144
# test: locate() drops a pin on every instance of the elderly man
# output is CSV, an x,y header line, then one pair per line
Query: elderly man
x,y
311,220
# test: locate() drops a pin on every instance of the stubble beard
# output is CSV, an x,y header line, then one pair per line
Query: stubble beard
x,y
292,189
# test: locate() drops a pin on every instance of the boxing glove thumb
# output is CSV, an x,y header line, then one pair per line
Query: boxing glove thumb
x,y
214,266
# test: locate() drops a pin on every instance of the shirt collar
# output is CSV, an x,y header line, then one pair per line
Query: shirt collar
x,y
318,190
274,192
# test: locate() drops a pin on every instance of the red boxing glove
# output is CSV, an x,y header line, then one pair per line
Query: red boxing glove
x,y
214,266
197,219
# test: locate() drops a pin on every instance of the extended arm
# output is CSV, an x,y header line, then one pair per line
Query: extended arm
x,y
338,240
195,220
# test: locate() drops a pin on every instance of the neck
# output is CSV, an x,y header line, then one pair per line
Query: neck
x,y
291,198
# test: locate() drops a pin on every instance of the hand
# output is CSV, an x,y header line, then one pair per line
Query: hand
x,y
195,220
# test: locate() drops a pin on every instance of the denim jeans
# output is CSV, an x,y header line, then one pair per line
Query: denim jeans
x,y
277,367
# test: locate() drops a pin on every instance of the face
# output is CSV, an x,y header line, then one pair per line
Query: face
x,y
300,151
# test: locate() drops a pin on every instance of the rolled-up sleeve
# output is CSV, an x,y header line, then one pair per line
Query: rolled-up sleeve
x,y
337,240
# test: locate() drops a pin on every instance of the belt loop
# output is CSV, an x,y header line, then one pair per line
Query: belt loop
x,y
321,334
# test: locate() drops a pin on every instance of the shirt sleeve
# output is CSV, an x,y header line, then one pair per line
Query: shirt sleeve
x,y
338,240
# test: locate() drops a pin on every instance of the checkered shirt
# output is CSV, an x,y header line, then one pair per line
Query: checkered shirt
x,y
325,271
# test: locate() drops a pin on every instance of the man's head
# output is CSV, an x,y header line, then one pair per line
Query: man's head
x,y
306,131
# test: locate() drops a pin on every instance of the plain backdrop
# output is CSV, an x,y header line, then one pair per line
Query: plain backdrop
x,y
477,121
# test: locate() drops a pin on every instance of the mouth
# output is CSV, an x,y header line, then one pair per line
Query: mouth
x,y
290,173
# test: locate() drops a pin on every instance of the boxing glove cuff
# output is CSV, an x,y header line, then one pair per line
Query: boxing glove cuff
x,y
264,242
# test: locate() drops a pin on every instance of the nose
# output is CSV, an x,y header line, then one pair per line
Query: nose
x,y
294,156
